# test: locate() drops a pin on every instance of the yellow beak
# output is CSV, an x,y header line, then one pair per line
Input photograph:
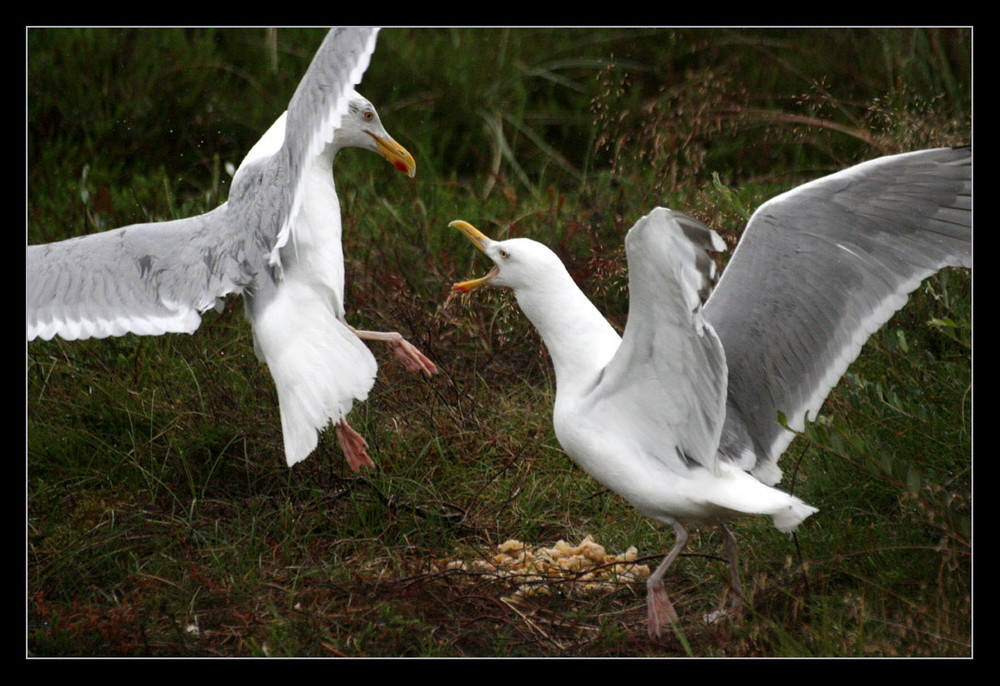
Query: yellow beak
x,y
479,239
396,154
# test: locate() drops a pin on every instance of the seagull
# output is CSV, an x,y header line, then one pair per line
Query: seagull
x,y
680,414
276,240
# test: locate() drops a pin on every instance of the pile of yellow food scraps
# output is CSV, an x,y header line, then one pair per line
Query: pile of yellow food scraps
x,y
537,569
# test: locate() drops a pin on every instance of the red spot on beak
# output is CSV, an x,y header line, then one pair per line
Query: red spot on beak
x,y
398,164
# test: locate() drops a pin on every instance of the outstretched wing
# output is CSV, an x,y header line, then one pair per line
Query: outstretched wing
x,y
818,270
156,278
667,380
314,113
146,279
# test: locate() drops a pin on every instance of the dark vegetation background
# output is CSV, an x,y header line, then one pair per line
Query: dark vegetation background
x,y
160,517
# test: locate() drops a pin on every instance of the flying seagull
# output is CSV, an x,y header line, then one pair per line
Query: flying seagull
x,y
680,414
277,241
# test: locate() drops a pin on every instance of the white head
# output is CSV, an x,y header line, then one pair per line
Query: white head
x,y
361,127
518,263
579,339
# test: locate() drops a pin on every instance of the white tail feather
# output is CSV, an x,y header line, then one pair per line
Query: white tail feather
x,y
320,367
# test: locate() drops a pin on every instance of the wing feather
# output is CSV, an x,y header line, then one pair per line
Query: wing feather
x,y
146,279
817,271
668,378
316,110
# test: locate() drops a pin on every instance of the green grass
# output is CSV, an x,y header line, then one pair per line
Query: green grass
x,y
161,519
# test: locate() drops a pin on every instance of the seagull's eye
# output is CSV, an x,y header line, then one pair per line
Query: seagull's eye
x,y
368,115
504,254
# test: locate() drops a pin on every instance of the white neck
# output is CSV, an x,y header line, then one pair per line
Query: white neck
x,y
579,339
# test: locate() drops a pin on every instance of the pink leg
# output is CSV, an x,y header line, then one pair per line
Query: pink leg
x,y
734,581
354,446
413,359
661,610
734,570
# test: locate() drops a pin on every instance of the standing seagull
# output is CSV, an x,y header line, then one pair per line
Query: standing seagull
x,y
680,414
277,240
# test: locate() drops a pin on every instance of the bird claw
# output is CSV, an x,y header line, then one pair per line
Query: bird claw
x,y
734,611
715,616
413,359
354,446
661,611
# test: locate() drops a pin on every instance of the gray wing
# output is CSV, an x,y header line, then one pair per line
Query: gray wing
x,y
667,380
817,271
315,112
146,279
154,278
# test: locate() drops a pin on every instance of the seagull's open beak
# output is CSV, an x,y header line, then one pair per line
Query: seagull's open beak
x,y
479,239
398,156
